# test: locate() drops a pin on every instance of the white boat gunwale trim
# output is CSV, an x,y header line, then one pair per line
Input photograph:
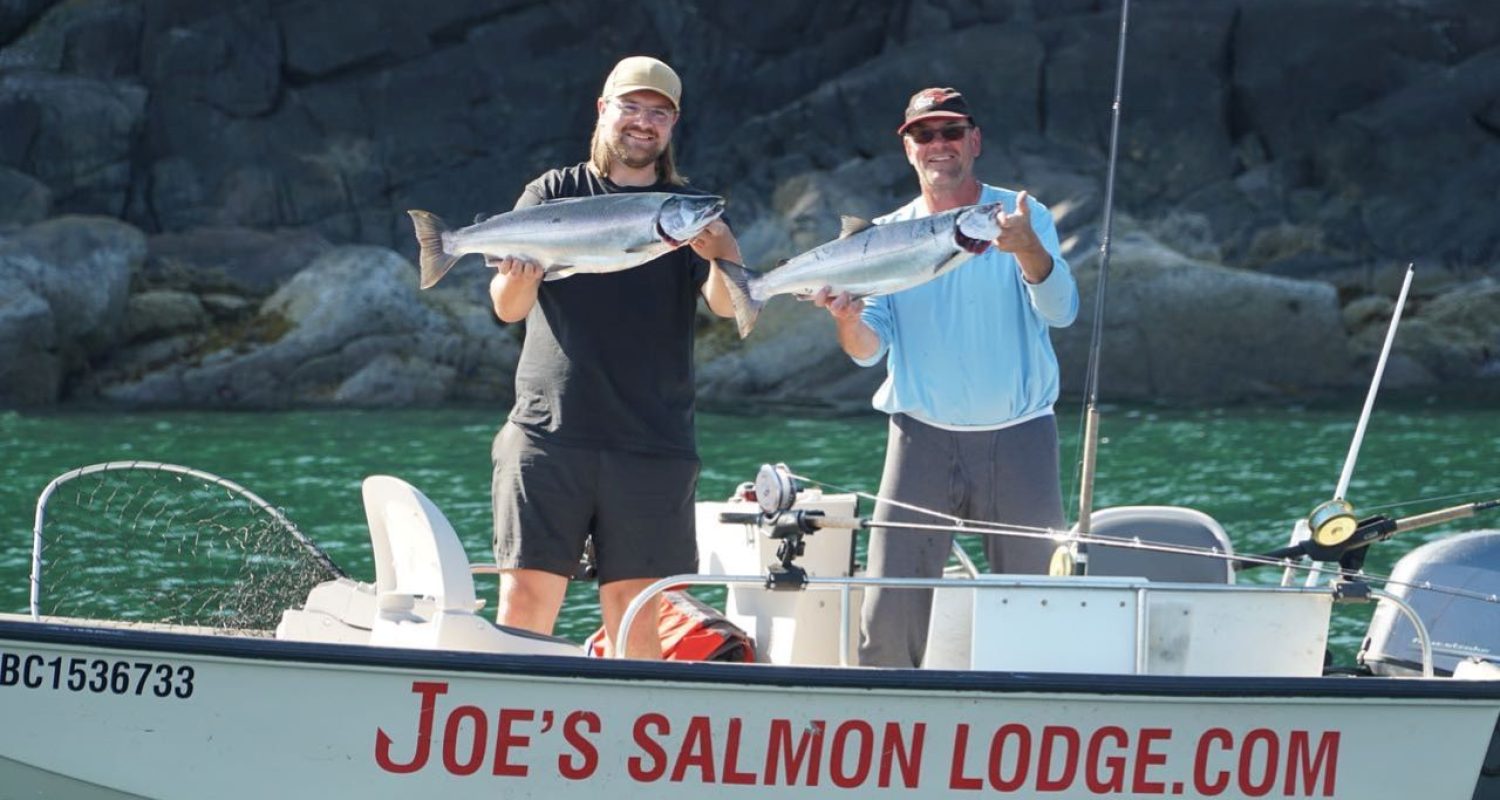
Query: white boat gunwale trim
x,y
15,628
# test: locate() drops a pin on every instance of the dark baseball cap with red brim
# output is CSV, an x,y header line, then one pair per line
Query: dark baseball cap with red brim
x,y
936,103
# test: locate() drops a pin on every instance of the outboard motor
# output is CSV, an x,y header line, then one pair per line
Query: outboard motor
x,y
1460,627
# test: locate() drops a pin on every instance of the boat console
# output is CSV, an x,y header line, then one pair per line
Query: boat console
x,y
1171,617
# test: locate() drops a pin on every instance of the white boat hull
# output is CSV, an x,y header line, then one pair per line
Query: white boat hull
x,y
111,713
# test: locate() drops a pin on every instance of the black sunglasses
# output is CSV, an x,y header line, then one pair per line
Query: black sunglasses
x,y
950,133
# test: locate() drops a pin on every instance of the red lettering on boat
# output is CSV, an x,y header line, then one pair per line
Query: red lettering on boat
x,y
732,773
478,740
505,739
809,751
1224,741
1116,764
1145,759
697,751
428,691
956,777
588,755
894,751
1297,756
637,764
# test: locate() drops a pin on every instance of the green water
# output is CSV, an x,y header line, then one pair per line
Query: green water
x,y
1255,470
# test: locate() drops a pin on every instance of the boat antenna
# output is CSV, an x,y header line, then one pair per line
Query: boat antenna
x,y
1071,558
1333,522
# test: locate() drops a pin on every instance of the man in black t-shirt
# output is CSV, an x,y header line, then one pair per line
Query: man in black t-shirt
x,y
600,442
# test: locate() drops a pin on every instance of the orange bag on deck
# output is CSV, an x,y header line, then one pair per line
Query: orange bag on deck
x,y
691,630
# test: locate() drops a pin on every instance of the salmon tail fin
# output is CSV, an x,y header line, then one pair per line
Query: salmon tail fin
x,y
746,308
434,260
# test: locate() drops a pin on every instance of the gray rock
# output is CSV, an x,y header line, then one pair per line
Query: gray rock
x,y
131,362
159,313
229,60
30,369
314,342
80,266
391,380
73,134
793,359
1067,181
324,37
1176,139
176,194
1191,330
350,292
229,260
16,15
23,199
1366,312
92,38
1188,233
226,307
1456,336
1387,153
1299,66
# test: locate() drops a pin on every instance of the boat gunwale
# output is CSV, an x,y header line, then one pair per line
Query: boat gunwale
x,y
758,675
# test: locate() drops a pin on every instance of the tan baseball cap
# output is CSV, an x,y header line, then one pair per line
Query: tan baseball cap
x,y
636,73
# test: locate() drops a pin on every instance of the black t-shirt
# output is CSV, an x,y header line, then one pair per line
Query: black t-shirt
x,y
608,358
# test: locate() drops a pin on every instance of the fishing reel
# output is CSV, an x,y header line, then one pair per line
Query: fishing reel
x,y
1344,540
775,492
1071,558
1349,549
775,489
1332,524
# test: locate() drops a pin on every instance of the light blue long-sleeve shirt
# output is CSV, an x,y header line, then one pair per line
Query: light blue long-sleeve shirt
x,y
971,348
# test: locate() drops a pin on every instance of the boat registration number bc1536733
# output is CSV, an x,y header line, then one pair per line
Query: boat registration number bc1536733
x,y
95,675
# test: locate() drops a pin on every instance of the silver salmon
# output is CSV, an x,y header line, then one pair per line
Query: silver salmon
x,y
603,233
868,259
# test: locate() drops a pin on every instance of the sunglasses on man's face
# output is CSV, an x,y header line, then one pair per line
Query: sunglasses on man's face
x,y
651,114
950,133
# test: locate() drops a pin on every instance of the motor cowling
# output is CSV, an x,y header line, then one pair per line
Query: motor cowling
x,y
1462,624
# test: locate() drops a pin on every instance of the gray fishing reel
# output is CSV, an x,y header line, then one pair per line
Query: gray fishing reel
x,y
775,489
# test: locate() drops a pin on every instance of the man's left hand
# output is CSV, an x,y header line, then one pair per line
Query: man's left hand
x,y
1018,238
1016,233
716,241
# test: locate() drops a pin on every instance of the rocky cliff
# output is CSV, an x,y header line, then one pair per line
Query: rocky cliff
x,y
202,202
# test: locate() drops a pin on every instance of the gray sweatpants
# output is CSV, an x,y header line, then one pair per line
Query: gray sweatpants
x,y
1009,475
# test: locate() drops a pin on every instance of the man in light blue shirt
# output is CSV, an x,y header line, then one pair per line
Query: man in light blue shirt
x,y
970,382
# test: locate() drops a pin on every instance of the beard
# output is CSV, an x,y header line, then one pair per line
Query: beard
x,y
945,177
634,153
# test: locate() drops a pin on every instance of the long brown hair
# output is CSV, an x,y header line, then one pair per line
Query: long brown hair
x,y
600,161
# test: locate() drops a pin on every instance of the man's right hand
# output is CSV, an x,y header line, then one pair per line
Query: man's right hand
x,y
855,337
518,269
514,288
843,306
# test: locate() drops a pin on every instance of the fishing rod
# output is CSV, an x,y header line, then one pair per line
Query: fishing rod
x,y
1375,529
1332,523
1072,558
776,487
790,527
776,493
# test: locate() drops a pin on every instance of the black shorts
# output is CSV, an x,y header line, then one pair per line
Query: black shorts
x,y
549,498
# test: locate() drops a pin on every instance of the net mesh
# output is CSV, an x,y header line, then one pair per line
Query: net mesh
x,y
160,543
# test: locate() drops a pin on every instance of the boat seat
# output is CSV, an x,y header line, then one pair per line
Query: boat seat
x,y
423,595
1172,525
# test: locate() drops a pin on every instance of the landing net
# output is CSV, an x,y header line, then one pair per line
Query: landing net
x,y
159,543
